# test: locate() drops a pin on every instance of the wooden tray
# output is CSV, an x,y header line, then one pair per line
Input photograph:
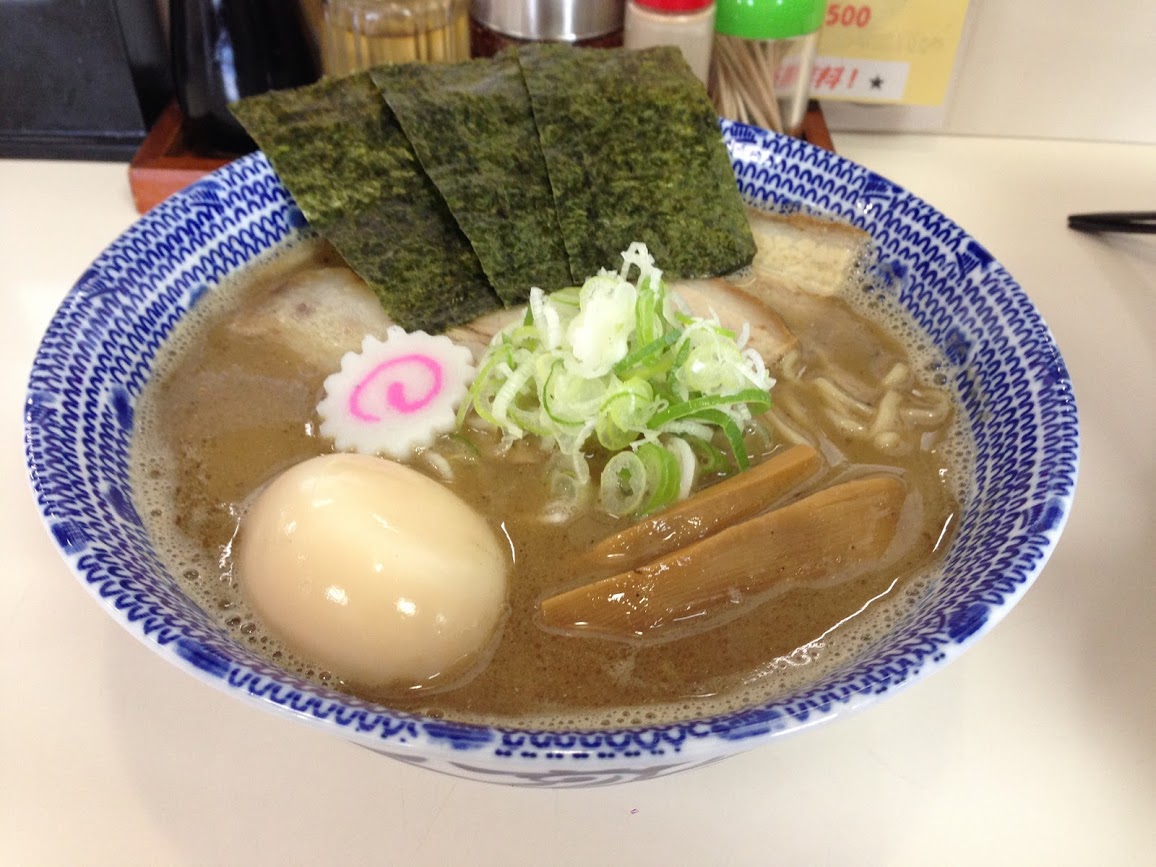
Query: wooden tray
x,y
815,128
165,162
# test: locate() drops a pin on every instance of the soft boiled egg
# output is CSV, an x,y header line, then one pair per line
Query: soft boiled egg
x,y
373,570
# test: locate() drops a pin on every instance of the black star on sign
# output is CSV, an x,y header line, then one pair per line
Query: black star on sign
x,y
877,83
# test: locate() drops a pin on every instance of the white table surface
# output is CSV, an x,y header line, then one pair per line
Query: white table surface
x,y
1037,747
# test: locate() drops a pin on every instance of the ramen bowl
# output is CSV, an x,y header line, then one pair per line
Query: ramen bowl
x,y
1014,393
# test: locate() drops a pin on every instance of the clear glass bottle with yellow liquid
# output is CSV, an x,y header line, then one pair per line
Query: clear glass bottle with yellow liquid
x,y
364,33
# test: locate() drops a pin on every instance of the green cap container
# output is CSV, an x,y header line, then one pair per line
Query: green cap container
x,y
768,19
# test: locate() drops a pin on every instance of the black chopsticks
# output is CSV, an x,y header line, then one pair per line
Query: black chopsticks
x,y
1134,222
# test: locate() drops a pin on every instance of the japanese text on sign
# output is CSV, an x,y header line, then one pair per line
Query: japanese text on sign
x,y
899,51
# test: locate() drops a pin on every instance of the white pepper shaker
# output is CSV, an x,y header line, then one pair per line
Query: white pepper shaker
x,y
687,24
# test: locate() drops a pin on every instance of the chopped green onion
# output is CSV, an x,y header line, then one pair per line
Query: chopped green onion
x,y
687,464
470,447
625,415
617,364
662,476
710,459
751,396
731,431
623,484
646,353
569,488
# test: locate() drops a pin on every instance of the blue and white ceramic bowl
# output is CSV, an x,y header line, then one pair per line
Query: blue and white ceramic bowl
x,y
98,353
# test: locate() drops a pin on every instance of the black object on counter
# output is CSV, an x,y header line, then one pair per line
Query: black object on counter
x,y
223,50
80,80
1129,222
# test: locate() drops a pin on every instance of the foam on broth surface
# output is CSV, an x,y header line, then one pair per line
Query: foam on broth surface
x,y
228,411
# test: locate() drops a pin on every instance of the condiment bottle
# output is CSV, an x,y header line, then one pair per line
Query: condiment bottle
x,y
364,33
223,50
498,24
688,24
764,52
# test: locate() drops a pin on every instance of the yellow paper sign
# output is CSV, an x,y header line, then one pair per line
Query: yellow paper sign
x,y
897,51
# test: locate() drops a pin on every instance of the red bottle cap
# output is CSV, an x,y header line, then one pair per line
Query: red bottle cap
x,y
675,5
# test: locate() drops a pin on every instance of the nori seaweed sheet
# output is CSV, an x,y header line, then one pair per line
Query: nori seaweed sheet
x,y
634,152
347,162
472,128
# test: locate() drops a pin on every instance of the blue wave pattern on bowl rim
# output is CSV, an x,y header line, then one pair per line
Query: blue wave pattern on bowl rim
x,y
96,356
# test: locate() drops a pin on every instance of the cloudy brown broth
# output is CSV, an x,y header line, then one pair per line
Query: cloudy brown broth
x,y
226,413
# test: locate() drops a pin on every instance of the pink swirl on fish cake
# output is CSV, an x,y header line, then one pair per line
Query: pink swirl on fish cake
x,y
395,396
